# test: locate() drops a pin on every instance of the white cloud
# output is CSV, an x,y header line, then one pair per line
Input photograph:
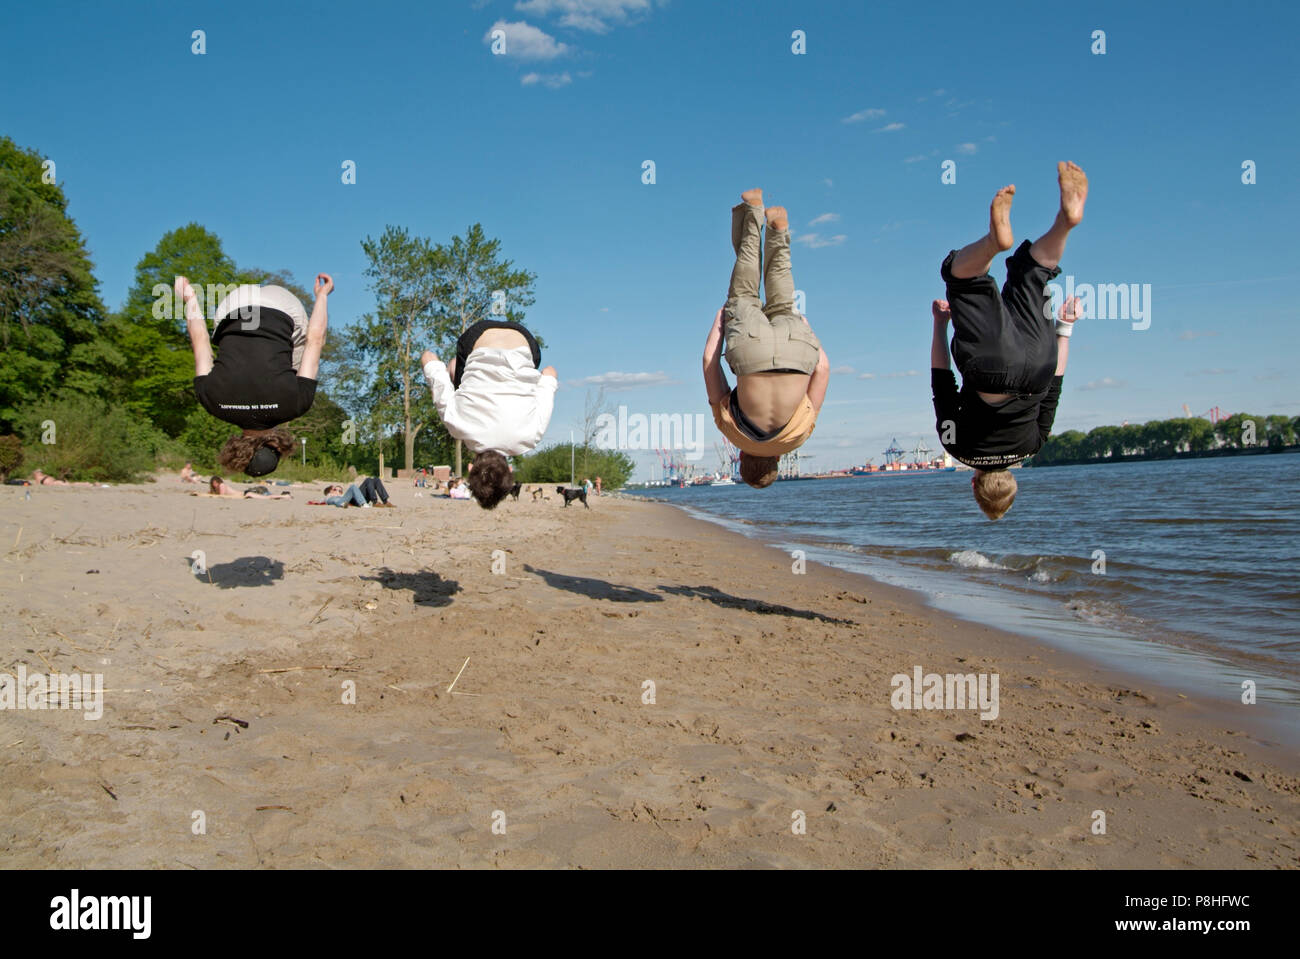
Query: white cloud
x,y
527,42
824,218
889,127
967,149
842,370
1213,372
828,181
616,381
1195,335
816,241
871,114
866,376
915,159
900,375
551,80
594,16
1105,383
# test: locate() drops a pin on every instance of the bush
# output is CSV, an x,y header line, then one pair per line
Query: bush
x,y
11,455
82,438
551,465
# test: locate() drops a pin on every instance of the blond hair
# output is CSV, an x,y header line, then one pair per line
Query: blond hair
x,y
995,491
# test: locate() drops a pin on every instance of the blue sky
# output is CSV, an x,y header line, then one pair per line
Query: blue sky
x,y
544,145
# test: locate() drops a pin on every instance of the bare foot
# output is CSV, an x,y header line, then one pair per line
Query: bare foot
x,y
776,218
753,197
1074,191
1000,218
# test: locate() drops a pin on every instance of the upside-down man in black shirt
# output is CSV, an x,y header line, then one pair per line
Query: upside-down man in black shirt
x,y
1010,354
265,370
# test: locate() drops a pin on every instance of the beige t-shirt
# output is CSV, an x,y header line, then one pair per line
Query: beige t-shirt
x,y
793,435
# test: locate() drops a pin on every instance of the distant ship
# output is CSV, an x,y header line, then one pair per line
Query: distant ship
x,y
923,462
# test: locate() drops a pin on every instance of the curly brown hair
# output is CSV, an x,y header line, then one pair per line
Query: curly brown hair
x,y
759,471
490,479
240,449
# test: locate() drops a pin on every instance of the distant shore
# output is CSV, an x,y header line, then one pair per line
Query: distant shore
x,y
1190,455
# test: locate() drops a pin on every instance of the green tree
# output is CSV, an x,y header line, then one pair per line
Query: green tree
x,y
50,311
426,296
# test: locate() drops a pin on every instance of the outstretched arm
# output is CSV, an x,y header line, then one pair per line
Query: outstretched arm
x,y
310,366
715,381
196,326
1069,313
939,358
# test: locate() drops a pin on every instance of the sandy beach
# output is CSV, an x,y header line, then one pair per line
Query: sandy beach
x,y
771,703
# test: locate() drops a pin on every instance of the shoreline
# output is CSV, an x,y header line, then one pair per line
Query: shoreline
x,y
1187,663
772,695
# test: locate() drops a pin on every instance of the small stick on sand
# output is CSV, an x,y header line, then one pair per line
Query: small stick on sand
x,y
16,539
321,610
260,808
294,669
44,660
462,669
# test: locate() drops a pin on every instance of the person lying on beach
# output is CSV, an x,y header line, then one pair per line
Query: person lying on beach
x,y
265,369
371,492
780,367
44,479
1010,354
219,487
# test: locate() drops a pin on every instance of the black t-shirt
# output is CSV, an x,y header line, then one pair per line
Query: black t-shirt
x,y
253,383
989,437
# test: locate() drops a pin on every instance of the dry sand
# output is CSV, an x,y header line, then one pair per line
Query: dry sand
x,y
772,695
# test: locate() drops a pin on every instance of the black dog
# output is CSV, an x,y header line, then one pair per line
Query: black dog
x,y
539,493
571,494
514,491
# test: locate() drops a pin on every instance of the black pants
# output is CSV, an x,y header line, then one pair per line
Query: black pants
x,y
1003,342
465,345
372,488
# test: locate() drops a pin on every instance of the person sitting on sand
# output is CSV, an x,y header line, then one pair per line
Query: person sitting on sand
x,y
456,489
188,475
219,487
265,370
1010,354
780,367
495,399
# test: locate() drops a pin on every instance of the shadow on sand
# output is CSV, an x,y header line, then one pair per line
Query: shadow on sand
x,y
595,588
427,588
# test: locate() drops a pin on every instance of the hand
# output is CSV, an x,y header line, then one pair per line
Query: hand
x,y
324,284
1070,310
550,371
183,289
941,311
426,358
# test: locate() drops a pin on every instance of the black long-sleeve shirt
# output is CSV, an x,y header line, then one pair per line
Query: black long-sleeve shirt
x,y
991,437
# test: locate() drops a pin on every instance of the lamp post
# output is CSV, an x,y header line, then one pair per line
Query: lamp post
x,y
304,451
571,473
